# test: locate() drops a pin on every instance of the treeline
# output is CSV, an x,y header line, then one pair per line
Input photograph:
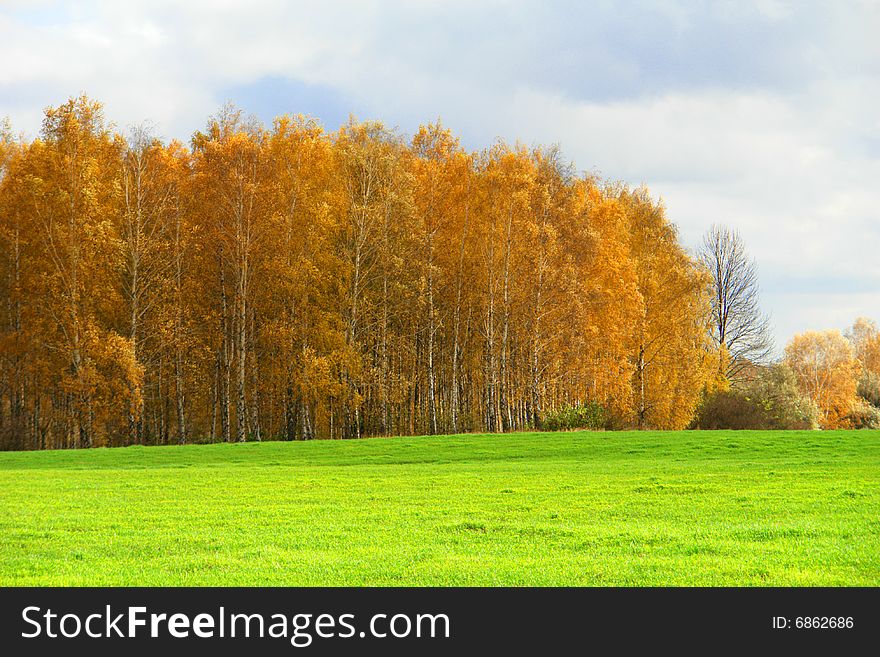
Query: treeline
x,y
288,283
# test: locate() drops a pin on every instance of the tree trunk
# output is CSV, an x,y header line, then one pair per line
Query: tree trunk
x,y
456,329
226,361
255,388
504,402
179,392
432,400
640,370
241,352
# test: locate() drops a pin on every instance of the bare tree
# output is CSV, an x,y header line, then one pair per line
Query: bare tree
x,y
739,327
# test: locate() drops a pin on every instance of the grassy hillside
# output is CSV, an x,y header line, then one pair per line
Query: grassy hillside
x,y
685,508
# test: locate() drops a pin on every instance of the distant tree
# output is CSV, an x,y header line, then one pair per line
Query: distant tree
x,y
827,370
739,328
864,336
7,144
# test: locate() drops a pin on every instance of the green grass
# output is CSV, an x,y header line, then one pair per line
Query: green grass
x,y
650,508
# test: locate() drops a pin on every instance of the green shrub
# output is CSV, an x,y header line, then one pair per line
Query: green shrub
x,y
730,409
583,416
771,401
786,407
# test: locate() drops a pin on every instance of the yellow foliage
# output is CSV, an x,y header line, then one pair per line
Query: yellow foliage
x,y
289,283
828,371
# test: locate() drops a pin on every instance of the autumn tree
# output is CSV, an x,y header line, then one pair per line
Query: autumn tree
x,y
507,186
602,306
301,330
146,230
864,337
71,194
827,370
180,342
13,348
669,350
231,169
439,171
459,263
379,248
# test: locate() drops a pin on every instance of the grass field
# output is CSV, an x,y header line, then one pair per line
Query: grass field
x,y
681,508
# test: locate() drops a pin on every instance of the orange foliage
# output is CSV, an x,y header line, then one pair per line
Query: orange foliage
x,y
288,283
827,370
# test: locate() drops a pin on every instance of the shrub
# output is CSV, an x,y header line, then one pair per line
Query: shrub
x,y
729,409
771,401
583,416
786,407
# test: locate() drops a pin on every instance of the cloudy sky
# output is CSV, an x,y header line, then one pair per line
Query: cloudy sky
x,y
762,115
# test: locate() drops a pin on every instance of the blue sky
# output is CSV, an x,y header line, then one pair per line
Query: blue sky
x,y
761,115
